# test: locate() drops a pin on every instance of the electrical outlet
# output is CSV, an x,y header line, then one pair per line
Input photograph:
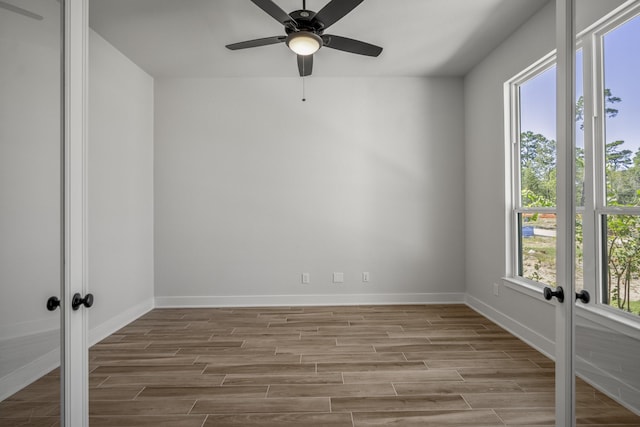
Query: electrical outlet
x,y
338,277
496,289
365,276
305,278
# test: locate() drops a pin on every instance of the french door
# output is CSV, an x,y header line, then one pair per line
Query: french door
x,y
43,196
42,215
75,364
597,337
31,196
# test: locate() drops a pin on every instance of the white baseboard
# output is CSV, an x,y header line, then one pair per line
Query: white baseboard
x,y
105,329
25,375
43,325
309,300
536,340
605,383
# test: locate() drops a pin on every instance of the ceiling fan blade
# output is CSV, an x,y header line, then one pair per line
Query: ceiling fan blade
x,y
350,45
20,11
257,42
336,10
305,65
275,11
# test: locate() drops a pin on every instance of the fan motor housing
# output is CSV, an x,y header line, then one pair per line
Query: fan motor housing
x,y
306,22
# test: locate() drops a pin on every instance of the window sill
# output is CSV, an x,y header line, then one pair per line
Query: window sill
x,y
526,288
611,320
592,312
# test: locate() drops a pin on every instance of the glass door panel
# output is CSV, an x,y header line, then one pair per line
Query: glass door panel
x,y
30,210
607,325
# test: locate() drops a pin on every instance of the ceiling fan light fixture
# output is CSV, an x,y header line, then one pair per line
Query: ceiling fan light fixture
x,y
304,42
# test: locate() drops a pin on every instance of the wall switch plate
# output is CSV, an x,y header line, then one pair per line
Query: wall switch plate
x,y
496,289
305,278
338,277
365,276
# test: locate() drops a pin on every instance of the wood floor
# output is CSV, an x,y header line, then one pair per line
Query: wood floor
x,y
415,365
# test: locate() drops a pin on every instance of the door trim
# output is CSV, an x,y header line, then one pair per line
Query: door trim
x,y
74,350
565,102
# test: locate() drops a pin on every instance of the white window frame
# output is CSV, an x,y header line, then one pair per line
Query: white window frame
x,y
512,90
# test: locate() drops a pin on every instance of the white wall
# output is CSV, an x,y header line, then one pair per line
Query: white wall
x,y
486,166
120,171
486,172
254,187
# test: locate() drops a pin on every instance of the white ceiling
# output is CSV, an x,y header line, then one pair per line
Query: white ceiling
x,y
186,38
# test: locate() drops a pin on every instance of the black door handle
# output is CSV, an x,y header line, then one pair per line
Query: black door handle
x,y
559,293
53,303
583,296
77,301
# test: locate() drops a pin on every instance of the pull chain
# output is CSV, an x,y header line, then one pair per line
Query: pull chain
x,y
304,98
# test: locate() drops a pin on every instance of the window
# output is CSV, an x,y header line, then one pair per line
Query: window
x,y
607,166
619,202
535,165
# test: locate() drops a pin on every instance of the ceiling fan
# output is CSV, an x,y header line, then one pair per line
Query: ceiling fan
x,y
305,32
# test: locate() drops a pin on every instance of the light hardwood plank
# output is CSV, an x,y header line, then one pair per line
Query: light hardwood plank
x,y
353,358
320,349
331,390
262,368
231,405
398,403
456,355
326,378
164,380
400,376
371,366
280,420
137,370
456,387
147,421
140,407
155,392
475,418
481,363
422,347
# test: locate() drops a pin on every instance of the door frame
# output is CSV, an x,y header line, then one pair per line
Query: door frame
x,y
74,366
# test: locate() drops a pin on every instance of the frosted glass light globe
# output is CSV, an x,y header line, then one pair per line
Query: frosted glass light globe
x,y
304,43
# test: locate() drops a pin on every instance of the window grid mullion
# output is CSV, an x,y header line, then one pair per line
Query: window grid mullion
x,y
590,226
